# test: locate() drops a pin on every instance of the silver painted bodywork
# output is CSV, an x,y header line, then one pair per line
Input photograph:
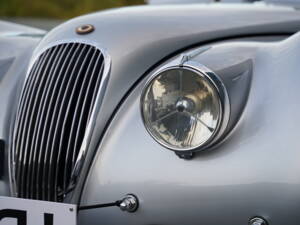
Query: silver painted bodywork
x,y
16,45
137,44
251,171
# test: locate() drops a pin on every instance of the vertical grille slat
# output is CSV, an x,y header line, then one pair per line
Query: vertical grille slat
x,y
19,119
52,117
36,180
63,93
85,111
52,95
97,86
22,157
64,111
53,65
35,100
41,90
21,107
67,131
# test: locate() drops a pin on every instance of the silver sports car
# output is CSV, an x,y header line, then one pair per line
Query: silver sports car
x,y
164,114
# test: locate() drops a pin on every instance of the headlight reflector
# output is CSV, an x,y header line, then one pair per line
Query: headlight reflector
x,y
181,108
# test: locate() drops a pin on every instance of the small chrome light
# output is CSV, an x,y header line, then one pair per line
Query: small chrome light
x,y
258,221
183,107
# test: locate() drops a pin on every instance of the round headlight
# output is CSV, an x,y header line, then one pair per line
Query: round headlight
x,y
182,108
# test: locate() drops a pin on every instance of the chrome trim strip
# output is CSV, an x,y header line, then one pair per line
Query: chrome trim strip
x,y
224,98
92,121
32,149
41,129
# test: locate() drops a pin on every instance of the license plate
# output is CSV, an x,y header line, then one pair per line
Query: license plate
x,y
16,211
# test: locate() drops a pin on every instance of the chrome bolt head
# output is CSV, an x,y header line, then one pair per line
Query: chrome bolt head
x,y
258,221
130,203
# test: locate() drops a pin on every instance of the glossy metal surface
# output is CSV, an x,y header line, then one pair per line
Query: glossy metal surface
x,y
201,24
63,85
9,29
182,108
252,172
164,36
15,54
224,100
129,204
257,221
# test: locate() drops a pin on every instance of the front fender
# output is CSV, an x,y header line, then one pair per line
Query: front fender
x,y
251,173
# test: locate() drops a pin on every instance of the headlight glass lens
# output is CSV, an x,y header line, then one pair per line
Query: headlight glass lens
x,y
181,108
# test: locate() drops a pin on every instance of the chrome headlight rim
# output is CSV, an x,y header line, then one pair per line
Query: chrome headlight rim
x,y
223,103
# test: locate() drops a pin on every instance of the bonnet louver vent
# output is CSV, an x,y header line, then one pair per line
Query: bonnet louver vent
x,y
52,119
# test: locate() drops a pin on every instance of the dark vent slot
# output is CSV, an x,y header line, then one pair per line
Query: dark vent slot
x,y
53,114
2,155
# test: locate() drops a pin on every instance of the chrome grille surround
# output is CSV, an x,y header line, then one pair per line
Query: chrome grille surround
x,y
61,96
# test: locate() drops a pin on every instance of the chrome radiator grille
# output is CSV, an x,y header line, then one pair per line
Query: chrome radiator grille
x,y
52,118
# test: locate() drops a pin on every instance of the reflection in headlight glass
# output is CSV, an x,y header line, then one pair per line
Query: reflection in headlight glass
x,y
181,109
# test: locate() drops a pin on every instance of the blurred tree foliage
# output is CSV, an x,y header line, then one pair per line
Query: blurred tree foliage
x,y
59,9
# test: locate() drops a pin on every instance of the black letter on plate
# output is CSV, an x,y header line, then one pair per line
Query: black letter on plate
x,y
20,215
48,218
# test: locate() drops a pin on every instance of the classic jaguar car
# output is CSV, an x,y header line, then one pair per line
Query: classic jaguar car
x,y
157,114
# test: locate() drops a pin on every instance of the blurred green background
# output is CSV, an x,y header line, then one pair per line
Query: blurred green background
x,y
58,9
